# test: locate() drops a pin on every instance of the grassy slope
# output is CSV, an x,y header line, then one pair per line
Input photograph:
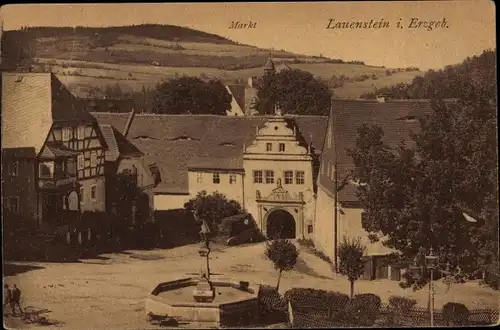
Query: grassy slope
x,y
135,58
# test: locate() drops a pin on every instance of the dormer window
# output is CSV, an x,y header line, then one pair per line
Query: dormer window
x,y
144,137
227,144
357,183
408,119
184,138
269,147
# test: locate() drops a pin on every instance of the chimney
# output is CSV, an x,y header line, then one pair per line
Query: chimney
x,y
129,122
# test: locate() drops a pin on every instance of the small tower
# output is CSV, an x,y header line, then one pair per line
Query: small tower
x,y
269,67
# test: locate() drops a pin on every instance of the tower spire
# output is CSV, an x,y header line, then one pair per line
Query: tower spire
x,y
269,67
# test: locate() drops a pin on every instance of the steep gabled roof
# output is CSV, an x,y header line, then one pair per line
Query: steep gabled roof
x,y
53,150
397,118
31,102
175,142
269,65
118,145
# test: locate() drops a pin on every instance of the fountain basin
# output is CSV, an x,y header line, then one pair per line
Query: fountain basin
x,y
235,302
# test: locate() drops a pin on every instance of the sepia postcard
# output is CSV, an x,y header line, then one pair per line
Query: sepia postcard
x,y
249,165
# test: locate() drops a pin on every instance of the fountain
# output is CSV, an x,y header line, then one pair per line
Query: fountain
x,y
204,301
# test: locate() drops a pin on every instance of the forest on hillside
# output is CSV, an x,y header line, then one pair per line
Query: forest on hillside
x,y
475,75
156,31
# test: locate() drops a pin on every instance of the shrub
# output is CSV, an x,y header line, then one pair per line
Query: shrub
x,y
401,304
455,314
306,242
329,301
270,299
397,307
363,309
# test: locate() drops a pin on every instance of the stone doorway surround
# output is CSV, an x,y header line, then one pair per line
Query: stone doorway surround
x,y
281,199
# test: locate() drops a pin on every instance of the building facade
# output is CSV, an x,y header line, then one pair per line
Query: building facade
x,y
19,201
38,112
267,164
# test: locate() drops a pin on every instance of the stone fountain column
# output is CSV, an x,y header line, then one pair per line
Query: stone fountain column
x,y
204,291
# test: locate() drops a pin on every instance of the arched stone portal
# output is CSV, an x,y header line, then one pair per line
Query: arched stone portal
x,y
280,224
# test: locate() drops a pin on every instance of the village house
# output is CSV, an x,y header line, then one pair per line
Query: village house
x,y
338,210
52,148
122,155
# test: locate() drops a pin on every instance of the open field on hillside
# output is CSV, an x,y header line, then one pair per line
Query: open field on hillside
x,y
355,89
108,293
79,75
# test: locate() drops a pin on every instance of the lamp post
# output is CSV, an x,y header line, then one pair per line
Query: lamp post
x,y
416,270
431,262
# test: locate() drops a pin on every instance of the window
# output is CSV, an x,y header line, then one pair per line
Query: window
x,y
93,158
257,176
216,178
282,147
199,177
269,147
14,168
309,229
93,192
81,162
14,204
67,133
88,131
232,178
269,177
82,195
71,168
299,177
288,177
46,170
81,132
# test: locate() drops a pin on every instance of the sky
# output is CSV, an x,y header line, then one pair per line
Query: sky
x,y
301,27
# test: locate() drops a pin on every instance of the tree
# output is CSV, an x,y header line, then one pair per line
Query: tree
x,y
474,76
18,51
192,95
283,254
415,197
212,207
297,92
351,263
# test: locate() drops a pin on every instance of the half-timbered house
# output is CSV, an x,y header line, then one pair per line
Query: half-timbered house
x,y
39,112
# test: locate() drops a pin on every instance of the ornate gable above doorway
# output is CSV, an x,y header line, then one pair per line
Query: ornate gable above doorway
x,y
280,194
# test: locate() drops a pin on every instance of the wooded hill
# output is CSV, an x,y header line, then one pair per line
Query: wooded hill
x,y
476,74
